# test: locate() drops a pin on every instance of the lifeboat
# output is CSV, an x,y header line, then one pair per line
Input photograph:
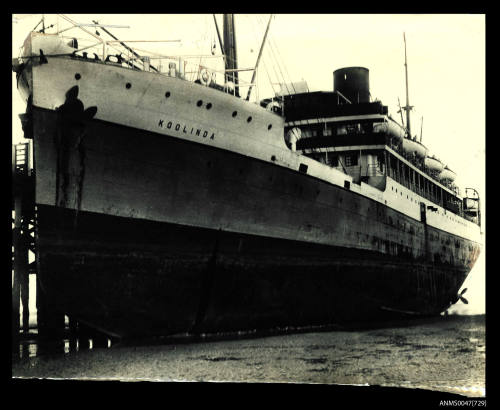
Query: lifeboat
x,y
433,164
412,146
390,128
447,175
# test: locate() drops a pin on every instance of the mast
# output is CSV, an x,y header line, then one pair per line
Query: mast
x,y
123,44
400,111
230,51
218,35
421,126
408,107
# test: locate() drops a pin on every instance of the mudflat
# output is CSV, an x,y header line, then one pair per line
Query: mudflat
x,y
445,354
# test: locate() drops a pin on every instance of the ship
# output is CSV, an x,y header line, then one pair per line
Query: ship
x,y
167,205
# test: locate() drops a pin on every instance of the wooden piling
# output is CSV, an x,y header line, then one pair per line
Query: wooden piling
x,y
22,206
24,283
50,322
73,333
84,336
16,288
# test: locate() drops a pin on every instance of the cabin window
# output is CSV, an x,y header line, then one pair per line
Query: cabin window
x,y
367,127
306,133
353,128
341,130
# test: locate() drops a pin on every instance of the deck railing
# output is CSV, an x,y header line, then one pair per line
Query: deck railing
x,y
90,45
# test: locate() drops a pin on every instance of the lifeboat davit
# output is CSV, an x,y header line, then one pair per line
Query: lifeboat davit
x,y
434,164
447,175
412,146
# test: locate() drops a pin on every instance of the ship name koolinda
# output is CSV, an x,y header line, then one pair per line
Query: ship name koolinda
x,y
186,129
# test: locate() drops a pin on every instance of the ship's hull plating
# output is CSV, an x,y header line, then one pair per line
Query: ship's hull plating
x,y
133,277
140,233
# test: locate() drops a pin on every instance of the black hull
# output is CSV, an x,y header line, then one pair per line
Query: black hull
x,y
134,278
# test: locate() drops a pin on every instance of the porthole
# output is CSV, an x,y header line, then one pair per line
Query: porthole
x,y
77,76
273,158
167,94
235,113
209,105
249,119
128,85
199,103
270,126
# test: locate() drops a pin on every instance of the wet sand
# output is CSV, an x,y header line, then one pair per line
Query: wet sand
x,y
444,354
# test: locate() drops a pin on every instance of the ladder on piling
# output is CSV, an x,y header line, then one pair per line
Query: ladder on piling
x,y
21,155
23,234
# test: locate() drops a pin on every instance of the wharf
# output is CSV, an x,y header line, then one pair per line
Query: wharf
x,y
52,327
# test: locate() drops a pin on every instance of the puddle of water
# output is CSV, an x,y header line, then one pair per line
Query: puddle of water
x,y
31,348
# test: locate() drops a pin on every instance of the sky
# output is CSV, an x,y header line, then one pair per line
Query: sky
x,y
446,69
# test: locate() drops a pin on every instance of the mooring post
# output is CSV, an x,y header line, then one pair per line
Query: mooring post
x,y
17,268
24,278
50,322
83,336
73,333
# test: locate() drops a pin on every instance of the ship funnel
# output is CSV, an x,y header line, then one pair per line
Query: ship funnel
x,y
353,83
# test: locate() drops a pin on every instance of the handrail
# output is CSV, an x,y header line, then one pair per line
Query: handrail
x,y
131,57
86,31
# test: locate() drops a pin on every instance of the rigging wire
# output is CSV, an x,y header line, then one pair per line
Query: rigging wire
x,y
280,58
273,48
263,61
273,66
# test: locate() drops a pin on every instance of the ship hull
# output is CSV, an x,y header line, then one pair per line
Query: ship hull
x,y
133,278
146,234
